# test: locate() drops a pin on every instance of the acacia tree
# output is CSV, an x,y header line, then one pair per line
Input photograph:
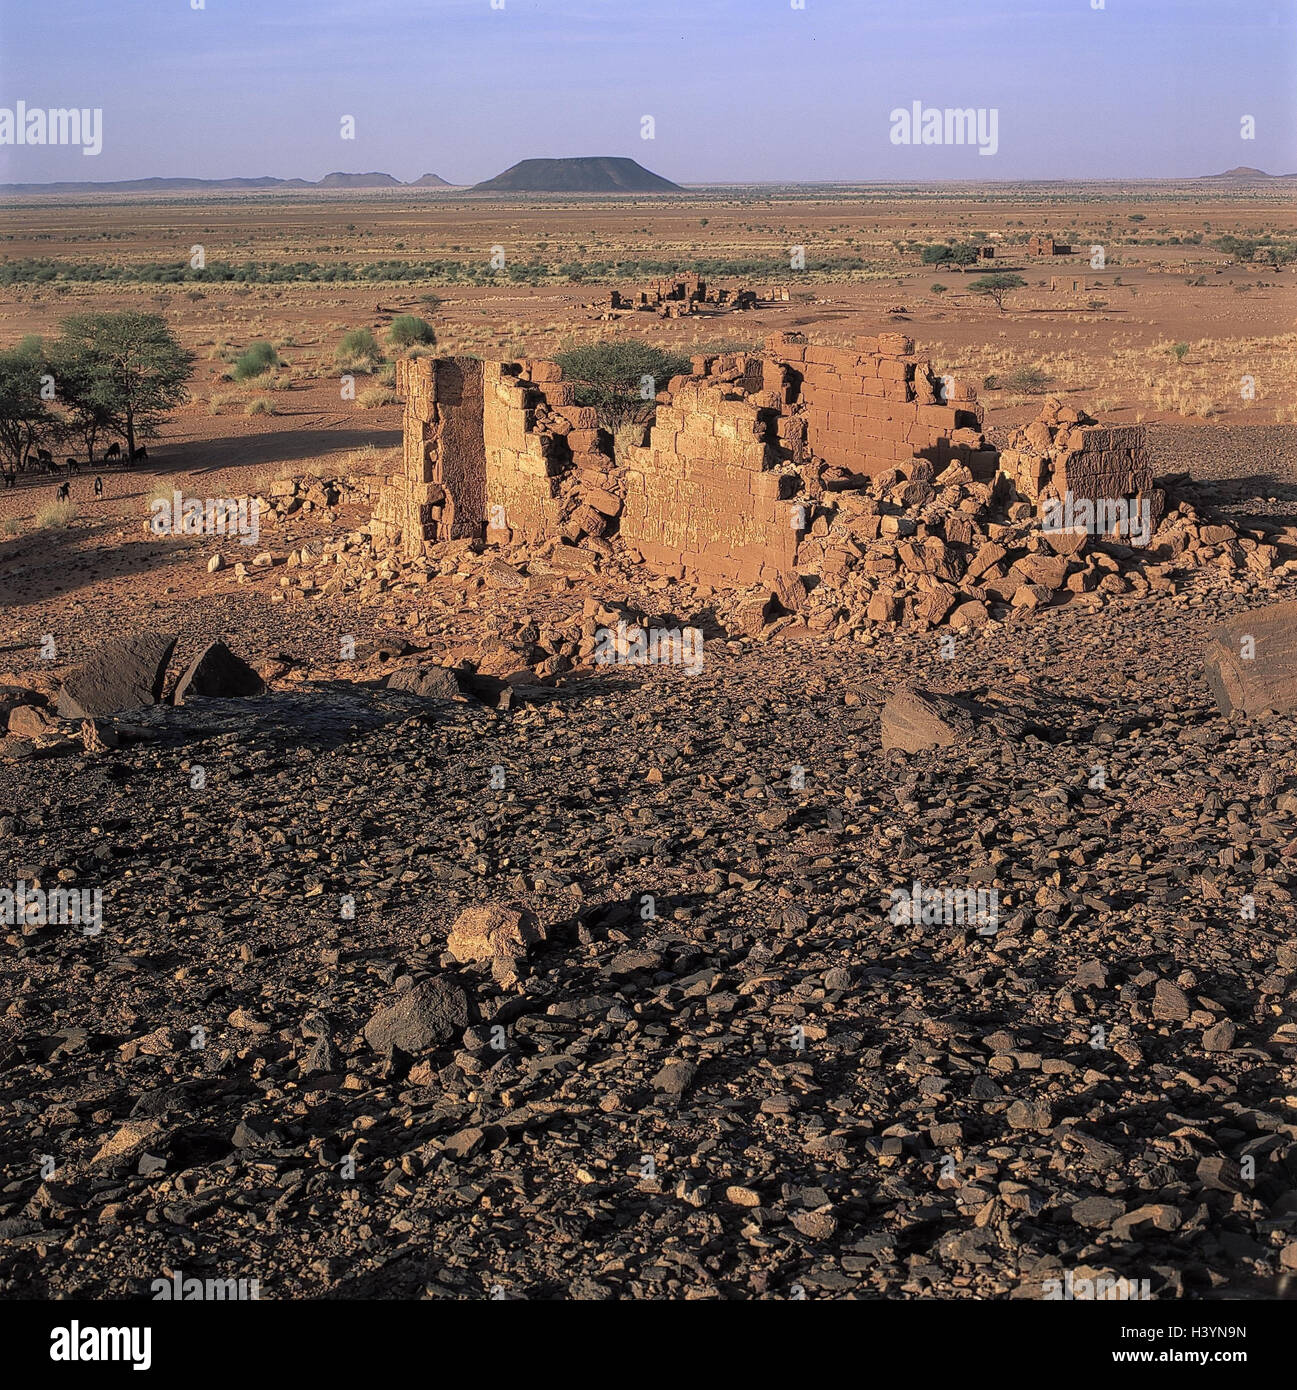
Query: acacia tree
x,y
85,388
997,286
135,362
22,411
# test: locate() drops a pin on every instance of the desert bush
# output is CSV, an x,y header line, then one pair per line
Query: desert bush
x,y
56,515
376,396
10,526
620,379
359,351
256,361
218,400
1029,380
260,405
1179,351
408,329
937,288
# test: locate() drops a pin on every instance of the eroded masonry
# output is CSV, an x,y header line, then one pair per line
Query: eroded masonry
x,y
787,468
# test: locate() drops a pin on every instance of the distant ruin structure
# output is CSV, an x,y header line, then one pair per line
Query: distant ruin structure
x,y
1047,246
674,296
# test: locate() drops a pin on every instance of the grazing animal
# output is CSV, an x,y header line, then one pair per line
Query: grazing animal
x,y
99,486
44,456
114,451
72,466
65,490
141,455
51,467
11,479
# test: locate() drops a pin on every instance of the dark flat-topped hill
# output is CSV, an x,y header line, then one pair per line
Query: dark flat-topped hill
x,y
592,174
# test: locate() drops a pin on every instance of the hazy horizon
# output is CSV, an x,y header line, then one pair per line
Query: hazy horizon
x,y
739,91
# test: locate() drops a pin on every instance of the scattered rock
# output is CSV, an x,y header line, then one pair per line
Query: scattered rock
x,y
125,674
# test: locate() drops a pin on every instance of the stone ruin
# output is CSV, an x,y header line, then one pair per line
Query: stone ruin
x,y
1046,246
824,488
676,295
497,451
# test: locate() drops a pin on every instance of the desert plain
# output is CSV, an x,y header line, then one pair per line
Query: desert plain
x,y
711,1063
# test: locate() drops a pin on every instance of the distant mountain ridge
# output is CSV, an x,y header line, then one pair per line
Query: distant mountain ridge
x,y
1245,173
585,174
181,185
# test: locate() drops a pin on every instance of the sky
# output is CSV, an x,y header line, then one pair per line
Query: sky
x,y
738,90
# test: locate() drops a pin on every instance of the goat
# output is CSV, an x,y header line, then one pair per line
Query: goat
x,y
114,451
141,455
99,486
65,490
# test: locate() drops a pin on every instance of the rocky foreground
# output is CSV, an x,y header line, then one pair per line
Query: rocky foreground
x,y
694,1055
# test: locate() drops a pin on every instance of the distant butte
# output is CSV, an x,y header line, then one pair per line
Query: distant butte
x,y
590,174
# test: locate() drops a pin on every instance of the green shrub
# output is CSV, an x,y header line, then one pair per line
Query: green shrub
x,y
620,379
409,329
261,405
358,351
1029,380
256,361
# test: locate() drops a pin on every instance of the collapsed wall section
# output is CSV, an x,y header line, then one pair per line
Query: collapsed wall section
x,y
1065,454
869,408
726,482
490,450
542,450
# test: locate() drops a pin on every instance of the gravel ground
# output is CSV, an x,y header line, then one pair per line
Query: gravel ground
x,y
727,1072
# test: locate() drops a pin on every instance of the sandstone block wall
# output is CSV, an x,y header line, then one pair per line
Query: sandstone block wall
x,y
704,495
490,449
868,408
439,494
725,483
1064,452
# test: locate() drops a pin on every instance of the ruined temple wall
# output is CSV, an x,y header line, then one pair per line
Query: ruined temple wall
x,y
502,451
437,494
487,447
871,407
522,466
704,495
1055,457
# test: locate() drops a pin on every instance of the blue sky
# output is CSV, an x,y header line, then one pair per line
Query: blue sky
x,y
739,89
